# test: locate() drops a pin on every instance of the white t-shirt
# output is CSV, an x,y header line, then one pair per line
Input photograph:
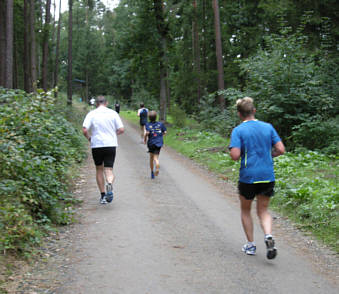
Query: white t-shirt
x,y
103,124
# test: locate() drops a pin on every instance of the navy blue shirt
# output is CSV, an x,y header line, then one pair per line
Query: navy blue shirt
x,y
156,131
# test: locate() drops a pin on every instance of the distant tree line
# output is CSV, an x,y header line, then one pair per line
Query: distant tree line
x,y
197,55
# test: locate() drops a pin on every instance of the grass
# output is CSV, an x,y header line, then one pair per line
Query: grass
x,y
306,183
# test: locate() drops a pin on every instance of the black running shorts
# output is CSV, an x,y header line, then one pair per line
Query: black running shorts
x,y
154,149
104,155
249,191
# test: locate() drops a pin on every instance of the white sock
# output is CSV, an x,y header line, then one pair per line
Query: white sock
x,y
267,236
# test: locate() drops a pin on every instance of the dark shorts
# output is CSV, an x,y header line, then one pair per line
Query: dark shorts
x,y
104,155
143,123
249,191
154,149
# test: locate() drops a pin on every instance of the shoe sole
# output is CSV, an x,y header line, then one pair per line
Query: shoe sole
x,y
271,250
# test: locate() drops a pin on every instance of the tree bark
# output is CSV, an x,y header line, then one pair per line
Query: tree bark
x,y
70,41
196,50
26,61
220,66
56,68
163,32
45,46
2,42
33,46
9,45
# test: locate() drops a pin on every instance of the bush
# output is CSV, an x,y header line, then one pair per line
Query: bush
x,y
178,115
308,135
37,147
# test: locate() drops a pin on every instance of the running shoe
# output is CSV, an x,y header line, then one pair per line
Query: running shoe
x,y
152,175
271,250
249,249
109,192
103,200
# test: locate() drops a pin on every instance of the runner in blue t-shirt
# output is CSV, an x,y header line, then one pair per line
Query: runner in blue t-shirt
x,y
155,131
252,141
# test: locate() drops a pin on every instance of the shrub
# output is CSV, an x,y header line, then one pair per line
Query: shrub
x,y
178,115
37,147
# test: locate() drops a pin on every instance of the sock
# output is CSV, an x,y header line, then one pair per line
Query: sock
x,y
102,194
268,236
250,244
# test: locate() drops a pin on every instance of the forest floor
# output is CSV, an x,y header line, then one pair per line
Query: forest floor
x,y
178,233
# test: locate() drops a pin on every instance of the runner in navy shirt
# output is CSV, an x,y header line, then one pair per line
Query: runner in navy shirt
x,y
155,131
142,113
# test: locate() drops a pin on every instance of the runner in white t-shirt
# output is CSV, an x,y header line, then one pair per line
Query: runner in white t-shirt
x,y
101,127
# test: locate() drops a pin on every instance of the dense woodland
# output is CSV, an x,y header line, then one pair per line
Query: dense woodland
x,y
197,56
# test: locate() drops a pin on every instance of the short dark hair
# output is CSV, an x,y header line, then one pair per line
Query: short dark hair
x,y
101,100
142,104
152,115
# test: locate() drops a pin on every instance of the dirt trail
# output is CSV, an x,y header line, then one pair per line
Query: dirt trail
x,y
179,233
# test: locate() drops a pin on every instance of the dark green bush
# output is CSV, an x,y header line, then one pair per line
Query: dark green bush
x,y
178,115
37,148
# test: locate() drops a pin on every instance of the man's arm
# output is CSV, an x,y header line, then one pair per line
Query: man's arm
x,y
120,131
278,149
235,153
86,134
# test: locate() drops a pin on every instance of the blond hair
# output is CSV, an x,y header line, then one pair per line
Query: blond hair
x,y
245,106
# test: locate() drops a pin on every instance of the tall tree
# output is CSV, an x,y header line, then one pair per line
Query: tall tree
x,y
218,48
70,43
196,49
45,46
57,46
9,45
26,61
2,41
33,46
163,32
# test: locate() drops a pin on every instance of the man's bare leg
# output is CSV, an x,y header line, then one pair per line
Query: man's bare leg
x,y
100,177
246,217
263,214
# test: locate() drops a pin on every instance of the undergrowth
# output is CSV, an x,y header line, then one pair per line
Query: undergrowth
x,y
38,147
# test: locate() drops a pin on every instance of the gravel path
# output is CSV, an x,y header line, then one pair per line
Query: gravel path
x,y
179,233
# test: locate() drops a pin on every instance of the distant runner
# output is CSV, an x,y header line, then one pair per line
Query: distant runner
x,y
142,113
252,141
104,125
154,138
117,107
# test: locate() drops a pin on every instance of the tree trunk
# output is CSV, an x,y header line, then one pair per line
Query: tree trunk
x,y
69,71
163,32
33,46
45,46
2,42
56,68
221,86
196,50
9,45
26,61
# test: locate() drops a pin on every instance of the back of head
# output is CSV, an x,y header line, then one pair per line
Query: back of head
x,y
245,106
142,105
152,116
101,100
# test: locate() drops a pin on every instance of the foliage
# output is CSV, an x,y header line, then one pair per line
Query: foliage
x,y
178,115
212,119
38,146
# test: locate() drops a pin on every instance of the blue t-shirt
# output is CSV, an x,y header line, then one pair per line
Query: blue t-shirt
x,y
156,130
255,139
